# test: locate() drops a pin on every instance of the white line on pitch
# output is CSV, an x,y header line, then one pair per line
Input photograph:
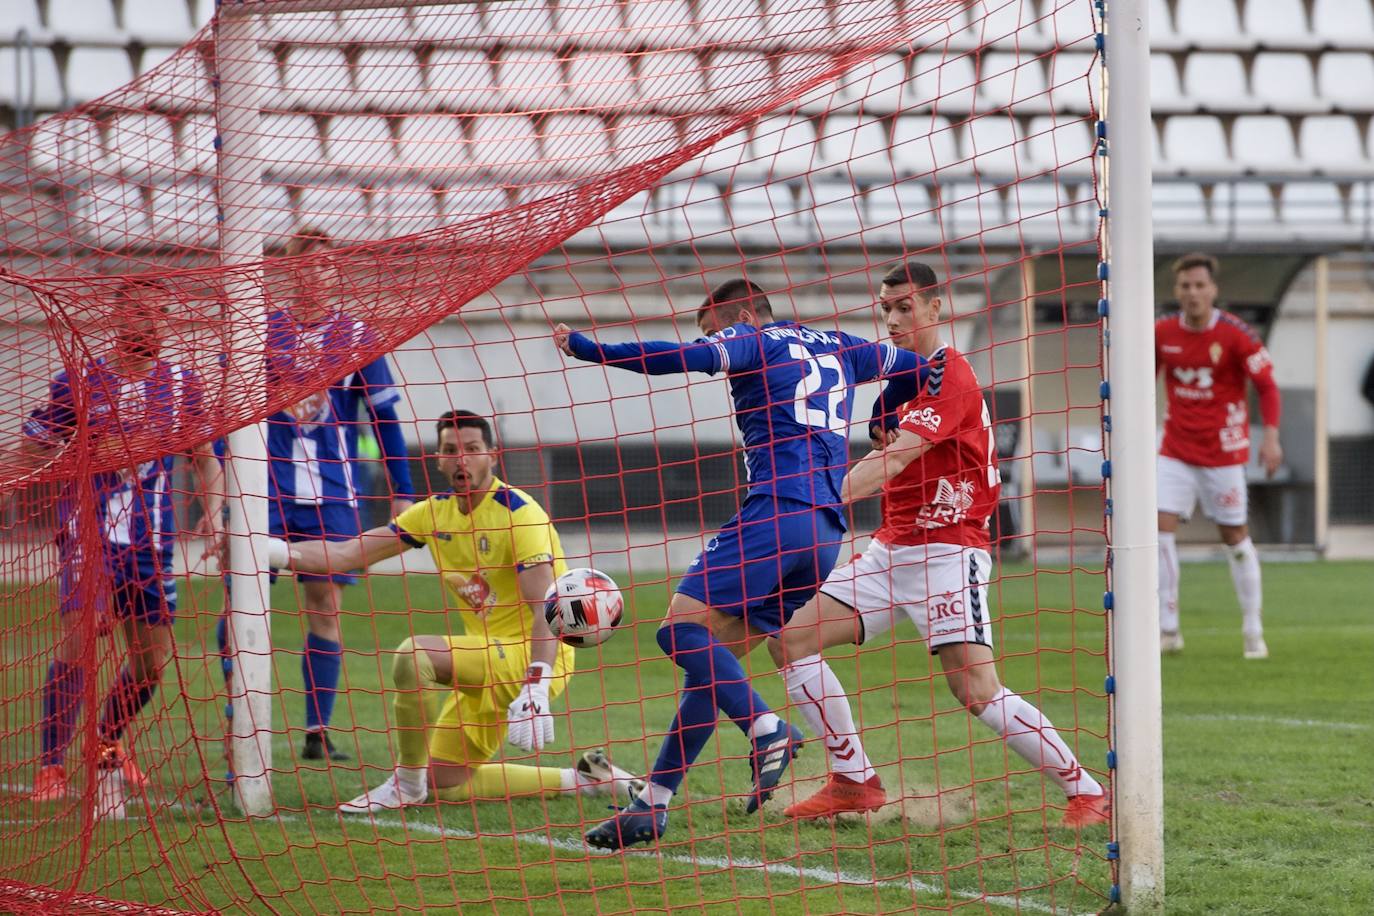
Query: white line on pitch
x,y
1270,720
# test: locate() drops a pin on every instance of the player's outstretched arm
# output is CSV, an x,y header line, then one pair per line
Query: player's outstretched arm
x,y
879,466
325,557
647,357
528,719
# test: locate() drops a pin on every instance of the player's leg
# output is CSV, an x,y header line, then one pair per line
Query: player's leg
x,y
63,688
322,656
1226,498
1178,491
149,644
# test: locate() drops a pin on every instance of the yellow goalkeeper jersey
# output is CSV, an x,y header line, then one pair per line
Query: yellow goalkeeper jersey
x,y
480,555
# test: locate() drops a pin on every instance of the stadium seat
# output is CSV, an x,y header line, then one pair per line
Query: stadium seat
x,y
836,208
462,202
1279,24
1060,145
782,147
462,81
1163,35
85,22
184,213
946,85
1284,83
673,79
202,11
798,24
1210,24
153,22
660,23
576,144
407,209
112,215
626,223
967,210
434,141
45,91
448,25
739,79
1014,80
856,20
291,143
923,144
1216,81
799,66
362,143
642,138
1180,208
1008,24
1074,79
65,148
177,80
317,79
990,144
1313,210
314,28
1043,211
1344,23
602,80
1264,144
1196,144
339,210
856,149
1344,79
532,80
140,147
95,72
1166,92
23,15
1248,207
372,26
736,23
720,159
1331,145
527,24
196,144
899,206
878,88
691,205
767,213
388,79
506,146
592,23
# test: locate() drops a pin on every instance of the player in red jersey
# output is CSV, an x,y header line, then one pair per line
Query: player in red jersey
x,y
1206,355
938,474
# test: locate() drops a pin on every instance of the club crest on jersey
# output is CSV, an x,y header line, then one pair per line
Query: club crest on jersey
x,y
1214,351
310,412
950,505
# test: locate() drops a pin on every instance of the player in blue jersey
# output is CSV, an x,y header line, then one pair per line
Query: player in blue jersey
x,y
132,391
312,447
792,389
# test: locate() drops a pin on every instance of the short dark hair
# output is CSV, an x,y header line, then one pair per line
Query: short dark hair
x,y
305,238
1196,259
465,419
736,296
130,287
916,273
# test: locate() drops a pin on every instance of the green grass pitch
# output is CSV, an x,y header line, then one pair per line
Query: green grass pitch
x,y
1268,799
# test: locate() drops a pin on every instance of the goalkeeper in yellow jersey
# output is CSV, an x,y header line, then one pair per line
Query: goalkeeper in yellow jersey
x,y
498,554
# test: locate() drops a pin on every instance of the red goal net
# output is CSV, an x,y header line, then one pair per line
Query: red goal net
x,y
306,192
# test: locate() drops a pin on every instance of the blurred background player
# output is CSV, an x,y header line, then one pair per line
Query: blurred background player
x,y
312,447
132,390
499,554
793,394
937,471
1206,355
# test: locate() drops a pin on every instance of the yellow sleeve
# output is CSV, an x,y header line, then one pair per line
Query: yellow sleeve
x,y
416,524
531,537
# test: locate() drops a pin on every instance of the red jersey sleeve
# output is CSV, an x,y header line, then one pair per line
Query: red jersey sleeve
x,y
1260,370
939,411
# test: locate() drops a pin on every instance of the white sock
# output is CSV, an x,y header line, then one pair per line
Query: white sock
x,y
413,780
1245,573
656,796
570,779
1031,735
765,724
1168,582
817,692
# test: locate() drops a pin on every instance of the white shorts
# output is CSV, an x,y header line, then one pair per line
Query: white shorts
x,y
943,588
1222,490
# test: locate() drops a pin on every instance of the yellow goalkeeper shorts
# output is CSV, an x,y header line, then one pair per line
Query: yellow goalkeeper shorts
x,y
472,722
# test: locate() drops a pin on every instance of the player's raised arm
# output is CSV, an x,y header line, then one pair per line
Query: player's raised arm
x,y
648,357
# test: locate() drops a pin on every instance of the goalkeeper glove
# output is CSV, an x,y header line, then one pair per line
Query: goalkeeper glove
x,y
530,724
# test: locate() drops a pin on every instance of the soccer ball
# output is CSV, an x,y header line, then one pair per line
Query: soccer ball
x,y
583,607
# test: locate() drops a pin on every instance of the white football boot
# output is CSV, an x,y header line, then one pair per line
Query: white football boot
x,y
1170,643
389,796
1255,649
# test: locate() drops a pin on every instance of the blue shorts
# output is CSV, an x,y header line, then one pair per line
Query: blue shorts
x,y
330,521
140,587
767,561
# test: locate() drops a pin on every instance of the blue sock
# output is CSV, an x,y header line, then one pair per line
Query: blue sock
x,y
695,650
320,670
226,661
127,698
61,703
692,727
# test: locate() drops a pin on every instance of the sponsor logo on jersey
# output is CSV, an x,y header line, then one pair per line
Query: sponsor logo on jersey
x,y
949,506
1215,351
924,416
474,591
1170,348
1235,435
1200,377
1257,361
